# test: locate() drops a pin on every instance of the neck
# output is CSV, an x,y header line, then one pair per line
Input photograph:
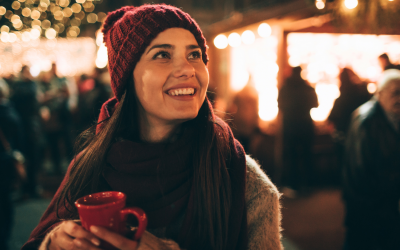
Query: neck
x,y
155,131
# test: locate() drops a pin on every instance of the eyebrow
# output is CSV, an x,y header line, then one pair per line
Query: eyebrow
x,y
169,46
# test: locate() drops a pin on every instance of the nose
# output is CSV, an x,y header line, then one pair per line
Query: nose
x,y
183,69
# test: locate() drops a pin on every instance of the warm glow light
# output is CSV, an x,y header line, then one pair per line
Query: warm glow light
x,y
80,1
76,8
35,34
264,30
26,12
351,4
2,10
101,16
99,38
248,37
26,36
92,18
5,28
18,24
256,66
64,3
35,14
36,23
102,57
58,15
220,41
51,33
46,24
12,38
320,5
16,5
73,56
371,87
15,19
67,12
4,37
234,39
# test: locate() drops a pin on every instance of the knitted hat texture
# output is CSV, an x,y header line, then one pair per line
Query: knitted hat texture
x,y
129,30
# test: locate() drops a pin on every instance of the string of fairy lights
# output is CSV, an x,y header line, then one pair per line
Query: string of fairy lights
x,y
31,19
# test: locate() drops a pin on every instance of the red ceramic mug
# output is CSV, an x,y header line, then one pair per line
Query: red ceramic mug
x,y
107,209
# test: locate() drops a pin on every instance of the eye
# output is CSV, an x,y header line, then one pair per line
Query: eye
x,y
162,55
195,55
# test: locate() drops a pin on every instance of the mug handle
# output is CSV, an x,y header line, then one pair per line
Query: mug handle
x,y
141,217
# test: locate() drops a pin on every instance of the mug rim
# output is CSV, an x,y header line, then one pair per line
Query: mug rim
x,y
78,202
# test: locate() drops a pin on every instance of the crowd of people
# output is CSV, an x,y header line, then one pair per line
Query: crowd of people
x,y
40,117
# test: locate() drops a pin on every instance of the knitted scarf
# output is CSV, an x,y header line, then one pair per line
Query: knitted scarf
x,y
158,177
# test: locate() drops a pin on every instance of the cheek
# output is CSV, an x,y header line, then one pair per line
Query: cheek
x,y
148,87
203,77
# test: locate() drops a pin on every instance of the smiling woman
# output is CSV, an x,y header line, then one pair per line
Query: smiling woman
x,y
159,142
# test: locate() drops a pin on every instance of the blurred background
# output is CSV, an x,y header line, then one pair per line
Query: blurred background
x,y
53,70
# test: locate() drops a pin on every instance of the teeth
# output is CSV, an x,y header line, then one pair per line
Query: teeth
x,y
186,91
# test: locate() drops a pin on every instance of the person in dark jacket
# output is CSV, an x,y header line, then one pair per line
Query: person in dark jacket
x,y
24,97
352,95
296,99
10,139
371,174
385,62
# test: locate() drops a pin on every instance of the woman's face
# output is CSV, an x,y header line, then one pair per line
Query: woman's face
x,y
170,78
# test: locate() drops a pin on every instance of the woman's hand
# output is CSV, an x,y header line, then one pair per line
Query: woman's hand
x,y
147,241
72,236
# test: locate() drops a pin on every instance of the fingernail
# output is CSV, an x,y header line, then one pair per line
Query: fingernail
x,y
94,229
96,242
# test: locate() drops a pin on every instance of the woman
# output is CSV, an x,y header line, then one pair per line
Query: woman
x,y
159,142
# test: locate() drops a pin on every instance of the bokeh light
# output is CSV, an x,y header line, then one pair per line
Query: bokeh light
x,y
26,12
51,33
92,18
221,41
371,87
264,30
76,8
351,4
320,5
35,14
248,37
2,10
101,16
16,5
234,39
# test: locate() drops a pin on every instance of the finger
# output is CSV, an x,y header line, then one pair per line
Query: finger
x,y
114,239
62,240
81,243
77,231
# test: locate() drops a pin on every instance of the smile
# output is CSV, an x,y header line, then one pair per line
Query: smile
x,y
181,91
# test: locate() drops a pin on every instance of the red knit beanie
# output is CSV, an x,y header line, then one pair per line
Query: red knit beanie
x,y
129,30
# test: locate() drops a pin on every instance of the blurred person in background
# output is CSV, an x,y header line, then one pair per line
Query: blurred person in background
x,y
385,62
296,99
25,98
57,119
93,92
245,115
11,142
353,93
371,175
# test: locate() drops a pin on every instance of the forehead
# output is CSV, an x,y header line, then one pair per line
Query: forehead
x,y
174,36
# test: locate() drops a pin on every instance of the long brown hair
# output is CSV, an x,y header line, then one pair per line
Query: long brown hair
x,y
212,196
